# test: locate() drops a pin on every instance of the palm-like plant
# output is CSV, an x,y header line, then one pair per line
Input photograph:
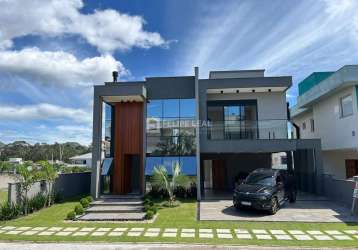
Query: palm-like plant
x,y
49,174
162,179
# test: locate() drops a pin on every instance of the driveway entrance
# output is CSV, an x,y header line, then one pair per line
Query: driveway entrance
x,y
308,208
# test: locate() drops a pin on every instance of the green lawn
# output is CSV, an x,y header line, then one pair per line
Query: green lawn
x,y
179,217
3,195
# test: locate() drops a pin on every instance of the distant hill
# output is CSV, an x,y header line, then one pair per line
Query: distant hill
x,y
41,151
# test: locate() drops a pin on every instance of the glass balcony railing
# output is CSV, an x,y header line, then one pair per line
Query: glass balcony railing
x,y
248,129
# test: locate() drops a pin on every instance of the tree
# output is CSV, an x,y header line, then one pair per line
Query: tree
x,y
49,174
169,183
27,176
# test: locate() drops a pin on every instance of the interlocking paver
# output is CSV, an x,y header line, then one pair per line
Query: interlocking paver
x,y
70,229
169,234
263,237
315,232
80,234
63,233
224,236
187,235
259,231
333,232
244,236
205,230
302,237
101,233
351,231
188,230
46,233
170,230
277,232
55,229
282,237
296,232
87,229
134,234
322,237
342,237
13,232
103,229
39,228
151,234
241,231
31,232
223,231
115,233
206,235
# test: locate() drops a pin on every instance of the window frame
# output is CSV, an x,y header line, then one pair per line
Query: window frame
x,y
342,115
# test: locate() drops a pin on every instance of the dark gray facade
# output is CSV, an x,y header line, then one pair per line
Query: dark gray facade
x,y
269,92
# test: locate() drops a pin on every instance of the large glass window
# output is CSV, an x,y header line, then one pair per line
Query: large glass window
x,y
171,127
188,164
233,119
346,106
108,129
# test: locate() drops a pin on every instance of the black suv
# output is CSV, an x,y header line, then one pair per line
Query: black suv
x,y
265,189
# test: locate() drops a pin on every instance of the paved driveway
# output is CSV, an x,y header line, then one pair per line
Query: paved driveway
x,y
307,208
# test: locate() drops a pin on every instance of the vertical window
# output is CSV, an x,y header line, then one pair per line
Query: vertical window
x,y
351,168
346,104
312,125
303,125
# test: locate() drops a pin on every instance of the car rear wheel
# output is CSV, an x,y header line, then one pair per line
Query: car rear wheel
x,y
274,206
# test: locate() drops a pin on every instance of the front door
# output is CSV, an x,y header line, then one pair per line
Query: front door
x,y
219,174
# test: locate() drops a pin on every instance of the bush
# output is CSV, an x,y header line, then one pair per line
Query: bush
x,y
71,215
89,198
154,209
84,202
9,211
149,215
79,209
37,202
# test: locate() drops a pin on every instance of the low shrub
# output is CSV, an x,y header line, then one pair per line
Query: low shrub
x,y
149,215
37,202
71,215
79,209
89,198
154,209
9,211
84,202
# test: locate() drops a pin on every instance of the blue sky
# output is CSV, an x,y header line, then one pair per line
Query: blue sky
x,y
53,52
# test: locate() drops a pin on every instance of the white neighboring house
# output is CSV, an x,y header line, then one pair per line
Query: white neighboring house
x,y
16,160
84,160
327,108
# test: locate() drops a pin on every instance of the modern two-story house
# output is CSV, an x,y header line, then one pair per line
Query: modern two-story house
x,y
219,129
327,108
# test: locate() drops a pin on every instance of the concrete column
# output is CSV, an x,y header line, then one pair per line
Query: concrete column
x,y
96,144
318,166
198,179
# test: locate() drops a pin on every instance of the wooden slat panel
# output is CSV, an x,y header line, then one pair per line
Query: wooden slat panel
x,y
128,140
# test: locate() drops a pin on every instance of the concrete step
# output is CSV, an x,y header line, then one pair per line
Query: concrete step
x,y
118,197
112,217
115,209
116,202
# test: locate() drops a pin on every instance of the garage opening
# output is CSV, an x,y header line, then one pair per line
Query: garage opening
x,y
221,172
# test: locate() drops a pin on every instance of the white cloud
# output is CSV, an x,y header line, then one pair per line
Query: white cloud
x,y
108,30
58,68
44,111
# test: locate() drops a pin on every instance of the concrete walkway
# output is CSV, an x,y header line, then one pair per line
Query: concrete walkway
x,y
226,234
134,246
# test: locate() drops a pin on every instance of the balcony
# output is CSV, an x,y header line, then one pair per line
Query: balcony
x,y
248,130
